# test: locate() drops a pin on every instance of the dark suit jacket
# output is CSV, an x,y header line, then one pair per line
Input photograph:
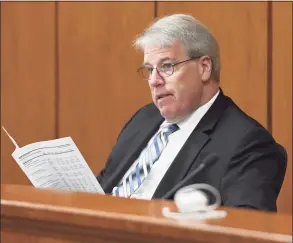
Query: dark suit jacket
x,y
249,170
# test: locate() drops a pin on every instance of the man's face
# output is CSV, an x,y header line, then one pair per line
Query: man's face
x,y
178,95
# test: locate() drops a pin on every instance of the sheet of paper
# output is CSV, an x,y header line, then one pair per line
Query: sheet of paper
x,y
57,164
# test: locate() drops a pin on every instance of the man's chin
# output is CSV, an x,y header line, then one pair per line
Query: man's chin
x,y
169,115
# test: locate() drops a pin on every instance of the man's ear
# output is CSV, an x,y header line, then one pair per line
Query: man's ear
x,y
206,68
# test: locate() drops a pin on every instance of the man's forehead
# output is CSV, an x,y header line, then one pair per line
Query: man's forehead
x,y
155,53
153,50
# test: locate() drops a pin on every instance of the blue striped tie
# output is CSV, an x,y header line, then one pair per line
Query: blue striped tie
x,y
145,162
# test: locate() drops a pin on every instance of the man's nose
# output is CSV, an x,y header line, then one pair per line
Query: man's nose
x,y
156,78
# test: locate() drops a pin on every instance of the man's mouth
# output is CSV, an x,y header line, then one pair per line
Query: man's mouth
x,y
161,96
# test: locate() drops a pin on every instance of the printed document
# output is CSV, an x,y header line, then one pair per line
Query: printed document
x,y
56,164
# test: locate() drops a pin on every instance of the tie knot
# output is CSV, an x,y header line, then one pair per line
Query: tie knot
x,y
169,129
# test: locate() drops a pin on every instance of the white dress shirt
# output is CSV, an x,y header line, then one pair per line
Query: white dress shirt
x,y
175,142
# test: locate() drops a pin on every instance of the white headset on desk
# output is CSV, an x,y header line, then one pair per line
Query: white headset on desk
x,y
193,203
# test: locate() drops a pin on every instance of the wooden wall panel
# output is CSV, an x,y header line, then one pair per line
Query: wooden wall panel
x,y
282,91
27,80
74,63
98,84
241,29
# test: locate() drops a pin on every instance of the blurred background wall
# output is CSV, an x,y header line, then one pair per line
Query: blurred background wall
x,y
69,69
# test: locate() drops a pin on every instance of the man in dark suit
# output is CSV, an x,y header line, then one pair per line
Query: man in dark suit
x,y
190,119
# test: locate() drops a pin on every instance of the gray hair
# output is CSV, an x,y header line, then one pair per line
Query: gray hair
x,y
193,35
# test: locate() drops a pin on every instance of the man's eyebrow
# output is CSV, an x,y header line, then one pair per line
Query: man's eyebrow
x,y
162,60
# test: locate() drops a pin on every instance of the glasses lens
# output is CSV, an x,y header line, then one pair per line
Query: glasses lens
x,y
166,69
144,72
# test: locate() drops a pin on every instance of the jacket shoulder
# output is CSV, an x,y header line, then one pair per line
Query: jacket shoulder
x,y
145,112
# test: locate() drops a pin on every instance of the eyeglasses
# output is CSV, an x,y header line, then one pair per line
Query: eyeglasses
x,y
164,69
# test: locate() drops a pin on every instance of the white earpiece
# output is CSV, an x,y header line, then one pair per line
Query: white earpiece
x,y
193,203
187,200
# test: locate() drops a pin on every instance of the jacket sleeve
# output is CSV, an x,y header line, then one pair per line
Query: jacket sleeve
x,y
255,172
103,171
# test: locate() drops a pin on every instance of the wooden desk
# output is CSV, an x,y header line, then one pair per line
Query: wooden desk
x,y
34,215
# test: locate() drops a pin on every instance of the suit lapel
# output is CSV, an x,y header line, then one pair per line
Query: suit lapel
x,y
133,143
189,154
182,162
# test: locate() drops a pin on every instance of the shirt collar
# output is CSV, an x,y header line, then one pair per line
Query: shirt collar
x,y
194,118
